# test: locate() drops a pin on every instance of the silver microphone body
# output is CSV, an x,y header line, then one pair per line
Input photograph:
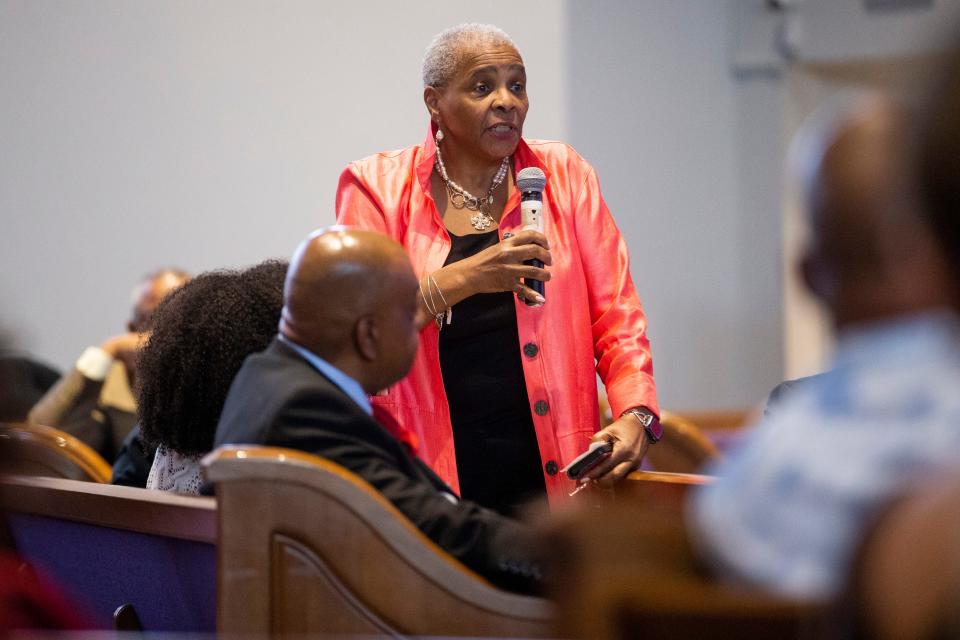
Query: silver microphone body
x,y
531,182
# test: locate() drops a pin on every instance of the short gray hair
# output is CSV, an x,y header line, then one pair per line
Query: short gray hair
x,y
444,53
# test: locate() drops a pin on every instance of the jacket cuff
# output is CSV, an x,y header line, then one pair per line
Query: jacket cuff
x,y
94,363
634,391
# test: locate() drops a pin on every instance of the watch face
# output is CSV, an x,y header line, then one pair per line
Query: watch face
x,y
645,418
655,430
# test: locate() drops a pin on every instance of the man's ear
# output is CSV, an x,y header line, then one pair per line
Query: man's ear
x,y
431,98
366,334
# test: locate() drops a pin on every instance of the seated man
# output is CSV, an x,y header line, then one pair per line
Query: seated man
x,y
93,401
349,329
787,512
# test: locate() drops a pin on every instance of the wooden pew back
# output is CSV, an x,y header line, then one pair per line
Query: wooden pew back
x,y
684,448
307,547
35,450
625,568
108,546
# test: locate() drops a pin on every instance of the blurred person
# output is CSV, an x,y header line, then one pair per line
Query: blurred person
x,y
494,378
349,329
200,335
94,401
787,510
28,600
26,381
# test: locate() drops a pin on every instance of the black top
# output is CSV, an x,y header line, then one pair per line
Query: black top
x,y
498,460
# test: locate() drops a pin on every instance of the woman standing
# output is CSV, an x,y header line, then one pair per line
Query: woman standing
x,y
502,392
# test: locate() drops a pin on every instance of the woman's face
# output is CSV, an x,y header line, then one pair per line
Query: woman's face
x,y
481,111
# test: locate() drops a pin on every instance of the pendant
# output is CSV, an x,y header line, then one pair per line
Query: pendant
x,y
481,221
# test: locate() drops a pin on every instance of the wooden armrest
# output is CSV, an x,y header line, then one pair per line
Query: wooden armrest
x,y
629,570
30,449
664,477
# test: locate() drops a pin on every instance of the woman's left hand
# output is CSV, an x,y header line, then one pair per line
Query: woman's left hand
x,y
630,444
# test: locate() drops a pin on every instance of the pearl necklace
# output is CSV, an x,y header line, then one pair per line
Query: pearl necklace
x,y
461,198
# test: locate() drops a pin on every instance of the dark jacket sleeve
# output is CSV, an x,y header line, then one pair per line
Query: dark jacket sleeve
x,y
133,463
500,549
71,405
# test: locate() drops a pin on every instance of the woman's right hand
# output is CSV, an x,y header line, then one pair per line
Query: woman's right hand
x,y
497,268
501,267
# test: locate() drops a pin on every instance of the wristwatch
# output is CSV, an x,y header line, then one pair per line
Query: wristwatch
x,y
650,422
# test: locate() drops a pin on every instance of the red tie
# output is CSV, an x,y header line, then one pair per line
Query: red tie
x,y
388,422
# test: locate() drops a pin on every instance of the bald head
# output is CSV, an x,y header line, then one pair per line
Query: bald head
x,y
869,243
350,298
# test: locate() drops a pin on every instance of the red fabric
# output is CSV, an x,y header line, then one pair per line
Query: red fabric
x,y
592,322
29,602
388,422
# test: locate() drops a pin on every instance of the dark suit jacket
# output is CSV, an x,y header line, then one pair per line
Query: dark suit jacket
x,y
133,463
279,399
23,381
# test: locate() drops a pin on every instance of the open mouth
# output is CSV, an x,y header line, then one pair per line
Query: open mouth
x,y
502,129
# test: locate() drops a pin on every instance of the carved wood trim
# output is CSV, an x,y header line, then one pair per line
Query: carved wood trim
x,y
281,545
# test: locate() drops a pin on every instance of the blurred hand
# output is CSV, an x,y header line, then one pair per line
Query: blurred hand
x,y
629,446
124,348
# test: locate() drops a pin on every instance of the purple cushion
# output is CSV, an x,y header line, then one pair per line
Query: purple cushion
x,y
170,582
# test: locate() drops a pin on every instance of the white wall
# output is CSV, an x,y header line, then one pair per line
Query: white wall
x,y
211,133
202,134
655,106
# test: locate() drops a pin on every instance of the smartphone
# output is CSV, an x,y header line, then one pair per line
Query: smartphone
x,y
588,459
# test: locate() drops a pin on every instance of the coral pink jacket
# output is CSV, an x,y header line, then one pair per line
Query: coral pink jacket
x,y
592,321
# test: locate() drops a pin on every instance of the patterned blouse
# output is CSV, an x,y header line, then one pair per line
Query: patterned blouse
x,y
172,471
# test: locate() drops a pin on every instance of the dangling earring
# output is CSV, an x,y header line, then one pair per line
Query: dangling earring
x,y
439,136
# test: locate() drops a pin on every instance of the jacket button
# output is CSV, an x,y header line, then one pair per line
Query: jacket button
x,y
531,349
540,407
551,467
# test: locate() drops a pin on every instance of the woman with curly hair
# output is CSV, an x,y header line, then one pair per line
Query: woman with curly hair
x,y
201,335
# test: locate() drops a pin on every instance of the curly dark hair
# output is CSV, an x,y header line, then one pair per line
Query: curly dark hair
x,y
202,332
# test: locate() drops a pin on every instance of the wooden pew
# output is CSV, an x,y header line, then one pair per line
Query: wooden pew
x,y
306,547
661,487
108,546
35,450
628,570
684,448
720,419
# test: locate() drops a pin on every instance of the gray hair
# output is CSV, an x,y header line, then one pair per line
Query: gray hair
x,y
444,53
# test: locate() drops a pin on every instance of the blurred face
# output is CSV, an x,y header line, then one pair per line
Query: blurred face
x,y
481,111
149,296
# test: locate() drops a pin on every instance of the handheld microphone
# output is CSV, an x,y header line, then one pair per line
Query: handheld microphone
x,y
530,182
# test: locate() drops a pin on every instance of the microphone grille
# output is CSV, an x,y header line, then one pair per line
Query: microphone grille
x,y
531,179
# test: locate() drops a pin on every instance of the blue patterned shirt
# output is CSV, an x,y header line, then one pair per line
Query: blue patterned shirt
x,y
790,506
